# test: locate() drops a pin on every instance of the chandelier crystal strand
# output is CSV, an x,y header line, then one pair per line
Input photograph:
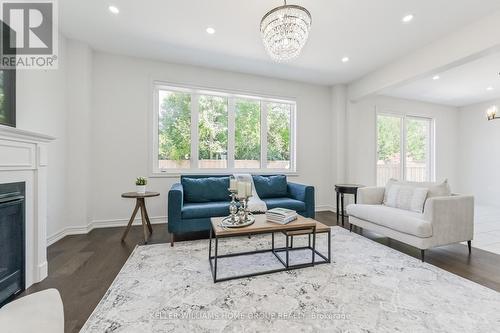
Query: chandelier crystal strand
x,y
285,30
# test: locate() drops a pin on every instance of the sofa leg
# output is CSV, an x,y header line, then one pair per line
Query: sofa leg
x,y
350,227
173,240
422,255
469,244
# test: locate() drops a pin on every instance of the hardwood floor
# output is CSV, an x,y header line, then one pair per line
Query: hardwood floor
x,y
82,267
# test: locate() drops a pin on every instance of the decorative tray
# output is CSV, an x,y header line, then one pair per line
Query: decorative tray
x,y
226,222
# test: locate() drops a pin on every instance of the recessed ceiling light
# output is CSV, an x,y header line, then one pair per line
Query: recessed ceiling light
x,y
345,59
407,18
490,88
436,77
210,30
114,9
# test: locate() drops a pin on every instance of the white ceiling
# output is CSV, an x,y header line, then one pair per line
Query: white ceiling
x,y
463,85
370,32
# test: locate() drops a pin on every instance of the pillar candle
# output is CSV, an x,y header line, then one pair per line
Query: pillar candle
x,y
241,189
248,189
233,184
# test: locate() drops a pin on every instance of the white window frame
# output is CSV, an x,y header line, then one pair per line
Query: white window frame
x,y
431,164
232,95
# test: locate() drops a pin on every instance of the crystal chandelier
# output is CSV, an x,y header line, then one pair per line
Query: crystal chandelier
x,y
285,30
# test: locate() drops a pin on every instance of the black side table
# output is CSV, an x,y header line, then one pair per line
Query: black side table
x,y
342,189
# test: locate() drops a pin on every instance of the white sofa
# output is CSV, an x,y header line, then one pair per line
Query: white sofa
x,y
445,219
41,312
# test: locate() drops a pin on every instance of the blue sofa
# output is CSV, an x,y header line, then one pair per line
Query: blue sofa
x,y
197,198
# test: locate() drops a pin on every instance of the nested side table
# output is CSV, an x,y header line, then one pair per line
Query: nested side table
x,y
140,204
342,189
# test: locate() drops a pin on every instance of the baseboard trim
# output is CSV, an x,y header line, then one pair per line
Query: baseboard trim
x,y
123,222
325,208
96,224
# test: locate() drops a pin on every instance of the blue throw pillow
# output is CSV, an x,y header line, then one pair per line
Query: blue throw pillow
x,y
205,189
271,186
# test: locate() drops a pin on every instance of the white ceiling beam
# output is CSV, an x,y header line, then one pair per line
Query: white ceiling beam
x,y
462,46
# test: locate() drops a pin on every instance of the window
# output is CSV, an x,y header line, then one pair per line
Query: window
x,y
247,134
174,130
404,148
202,131
278,135
212,132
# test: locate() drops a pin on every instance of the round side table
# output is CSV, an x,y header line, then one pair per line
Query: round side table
x,y
140,204
342,189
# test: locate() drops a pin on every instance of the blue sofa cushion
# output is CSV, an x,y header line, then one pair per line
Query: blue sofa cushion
x,y
205,189
271,186
293,204
205,210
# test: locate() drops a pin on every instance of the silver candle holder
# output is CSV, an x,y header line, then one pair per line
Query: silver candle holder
x,y
233,206
239,216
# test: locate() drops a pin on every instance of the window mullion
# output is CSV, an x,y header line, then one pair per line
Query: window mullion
x,y
263,135
293,138
195,113
403,147
156,138
430,151
231,127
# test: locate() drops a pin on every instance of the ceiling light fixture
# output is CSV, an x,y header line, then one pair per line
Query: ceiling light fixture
x,y
436,77
285,30
210,30
407,18
114,9
492,112
345,59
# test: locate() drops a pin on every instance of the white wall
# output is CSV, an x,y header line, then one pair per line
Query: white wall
x,y
122,100
479,154
79,98
41,107
361,145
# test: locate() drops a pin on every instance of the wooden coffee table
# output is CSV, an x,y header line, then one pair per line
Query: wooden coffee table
x,y
301,226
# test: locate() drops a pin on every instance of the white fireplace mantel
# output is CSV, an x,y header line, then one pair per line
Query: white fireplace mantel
x,y
24,158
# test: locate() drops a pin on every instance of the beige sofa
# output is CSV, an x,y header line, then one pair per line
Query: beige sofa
x,y
444,220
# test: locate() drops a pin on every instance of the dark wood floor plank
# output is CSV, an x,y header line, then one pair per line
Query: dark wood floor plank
x,y
82,267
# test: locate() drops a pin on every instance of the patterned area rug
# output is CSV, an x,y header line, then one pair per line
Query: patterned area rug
x,y
368,287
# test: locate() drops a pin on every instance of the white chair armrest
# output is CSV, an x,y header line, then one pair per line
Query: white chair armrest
x,y
371,195
41,312
452,218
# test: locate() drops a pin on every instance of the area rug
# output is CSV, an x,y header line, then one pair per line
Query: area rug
x,y
368,287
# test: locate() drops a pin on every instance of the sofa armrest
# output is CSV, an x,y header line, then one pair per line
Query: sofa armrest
x,y
371,195
452,218
38,312
304,193
175,204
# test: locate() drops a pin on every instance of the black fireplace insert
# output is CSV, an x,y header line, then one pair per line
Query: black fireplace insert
x,y
12,241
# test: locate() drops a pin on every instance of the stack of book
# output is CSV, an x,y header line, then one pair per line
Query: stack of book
x,y
281,215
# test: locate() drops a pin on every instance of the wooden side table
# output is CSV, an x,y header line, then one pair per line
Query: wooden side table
x,y
342,189
140,204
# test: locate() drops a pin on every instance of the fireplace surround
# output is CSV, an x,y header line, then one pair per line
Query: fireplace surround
x,y
24,159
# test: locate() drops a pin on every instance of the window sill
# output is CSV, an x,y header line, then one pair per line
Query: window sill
x,y
178,173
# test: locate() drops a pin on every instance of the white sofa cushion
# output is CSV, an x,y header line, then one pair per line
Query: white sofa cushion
x,y
397,219
407,197
433,189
